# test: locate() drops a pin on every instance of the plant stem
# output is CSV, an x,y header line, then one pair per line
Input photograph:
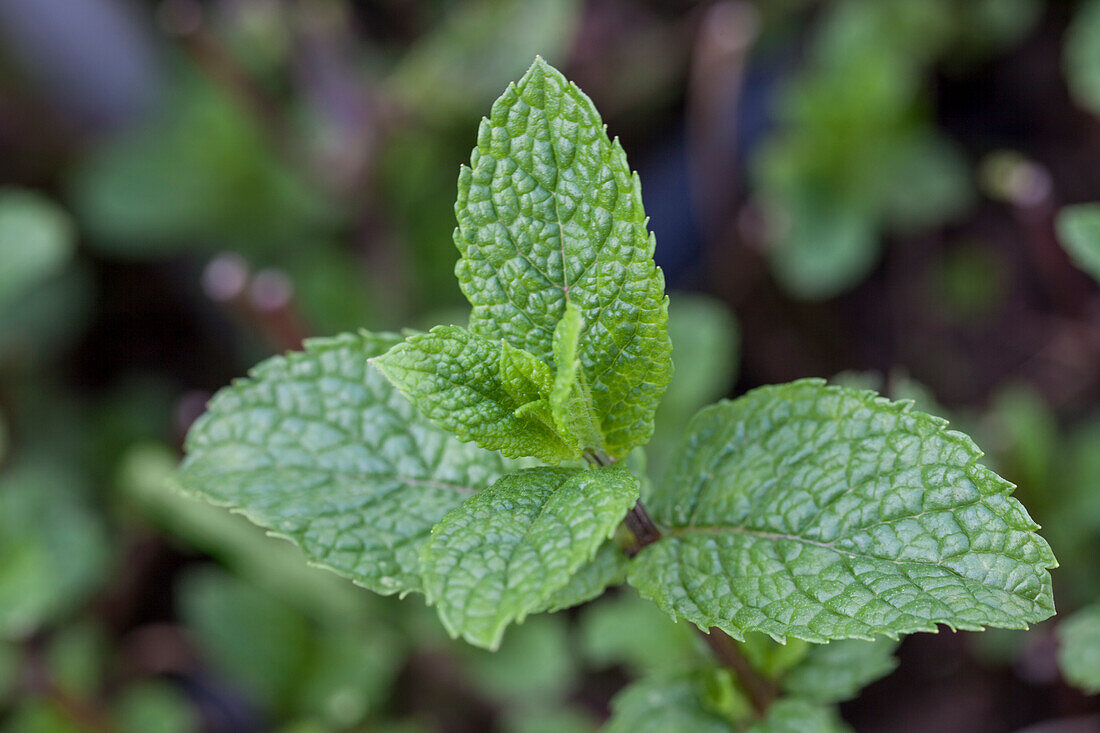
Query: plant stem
x,y
642,527
761,691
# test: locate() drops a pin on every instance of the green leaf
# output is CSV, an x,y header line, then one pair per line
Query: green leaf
x,y
820,512
549,213
1081,55
318,447
525,377
463,384
570,398
669,704
799,716
1079,229
1079,649
839,670
36,240
502,553
607,568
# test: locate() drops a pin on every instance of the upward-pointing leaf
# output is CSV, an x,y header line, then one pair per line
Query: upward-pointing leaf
x,y
503,553
318,447
823,513
549,213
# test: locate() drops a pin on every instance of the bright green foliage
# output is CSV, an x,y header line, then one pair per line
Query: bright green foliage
x,y
837,671
671,704
800,512
1079,649
502,553
318,447
607,568
799,716
464,383
825,513
1079,226
549,213
570,398
1082,55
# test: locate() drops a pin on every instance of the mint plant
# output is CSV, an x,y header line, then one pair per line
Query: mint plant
x,y
496,468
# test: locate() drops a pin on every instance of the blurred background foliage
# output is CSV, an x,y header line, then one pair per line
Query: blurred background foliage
x,y
187,186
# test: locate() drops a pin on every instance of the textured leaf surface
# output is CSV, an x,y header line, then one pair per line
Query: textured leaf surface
x,y
570,398
607,568
318,447
500,555
549,213
1079,232
839,670
822,513
665,705
1079,649
455,378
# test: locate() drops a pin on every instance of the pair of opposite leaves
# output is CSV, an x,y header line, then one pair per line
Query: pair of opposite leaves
x,y
498,396
803,510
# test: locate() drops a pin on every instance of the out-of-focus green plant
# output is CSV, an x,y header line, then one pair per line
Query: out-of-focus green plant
x,y
1079,650
1079,232
1081,55
564,362
856,155
198,173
